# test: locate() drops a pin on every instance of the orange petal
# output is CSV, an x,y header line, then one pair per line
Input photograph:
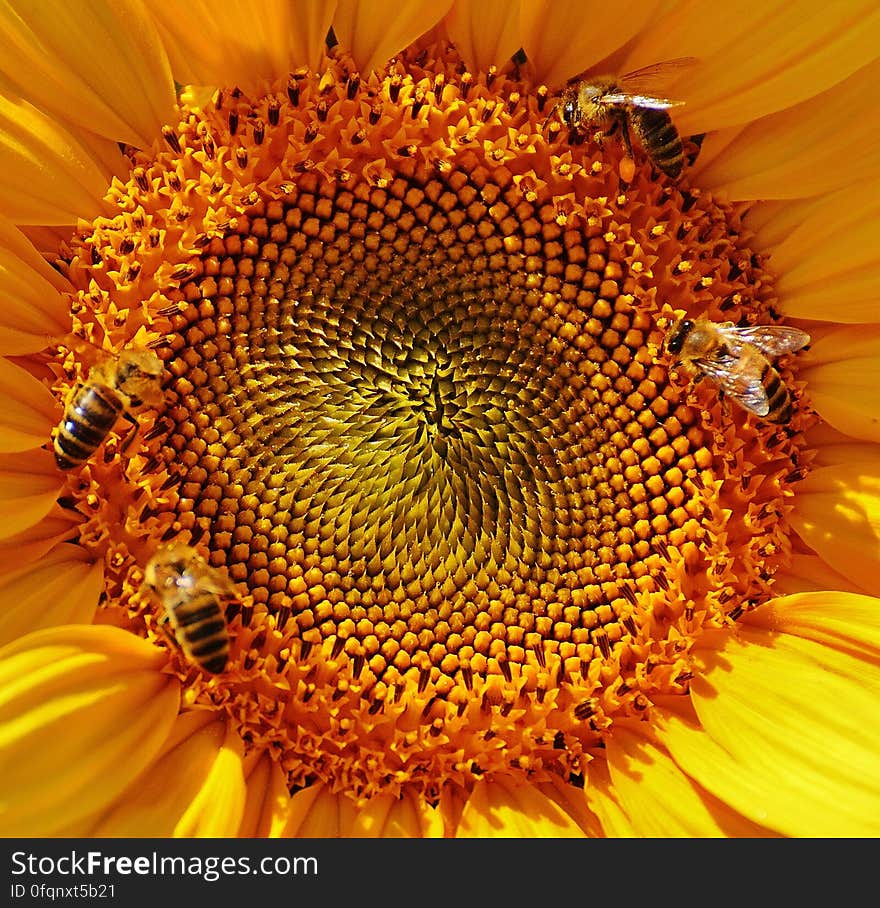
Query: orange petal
x,y
375,31
34,542
793,154
507,808
29,410
99,65
194,788
61,588
825,252
46,175
83,710
485,32
32,308
795,53
661,800
563,40
268,801
809,573
837,514
788,728
390,817
842,371
252,44
318,813
29,486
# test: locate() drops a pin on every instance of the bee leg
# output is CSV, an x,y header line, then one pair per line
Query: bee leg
x,y
627,139
129,439
167,633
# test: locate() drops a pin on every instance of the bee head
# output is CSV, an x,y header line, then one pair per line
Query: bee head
x,y
168,564
139,375
676,336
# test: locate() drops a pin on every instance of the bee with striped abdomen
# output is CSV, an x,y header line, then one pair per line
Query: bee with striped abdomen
x,y
736,360
191,593
628,104
112,389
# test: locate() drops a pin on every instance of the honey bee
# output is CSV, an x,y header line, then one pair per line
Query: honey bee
x,y
191,593
112,389
624,102
736,360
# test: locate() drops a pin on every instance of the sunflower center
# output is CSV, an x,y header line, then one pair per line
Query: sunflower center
x,y
417,412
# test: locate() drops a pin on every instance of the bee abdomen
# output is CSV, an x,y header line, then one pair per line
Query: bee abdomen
x,y
778,398
661,140
202,632
86,423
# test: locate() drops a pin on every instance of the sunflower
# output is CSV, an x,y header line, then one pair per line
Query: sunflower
x,y
498,566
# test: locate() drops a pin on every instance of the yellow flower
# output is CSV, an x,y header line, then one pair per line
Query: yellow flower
x,y
499,568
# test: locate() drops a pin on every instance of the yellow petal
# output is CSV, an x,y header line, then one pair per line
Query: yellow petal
x,y
61,588
849,623
809,573
99,65
318,813
837,514
32,308
391,817
794,154
29,409
788,732
509,808
661,800
375,31
796,51
250,43
572,799
194,788
602,799
268,801
29,486
825,252
563,40
34,542
46,175
83,710
842,371
485,32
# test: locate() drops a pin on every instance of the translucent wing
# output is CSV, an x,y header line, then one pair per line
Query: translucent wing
x,y
740,378
640,100
648,80
774,340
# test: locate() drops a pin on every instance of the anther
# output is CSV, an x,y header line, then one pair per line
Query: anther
x,y
140,177
233,122
352,85
321,109
171,138
259,128
418,103
273,111
293,91
542,94
394,87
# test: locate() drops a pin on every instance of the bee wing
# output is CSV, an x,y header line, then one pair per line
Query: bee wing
x,y
649,79
740,379
640,100
774,340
